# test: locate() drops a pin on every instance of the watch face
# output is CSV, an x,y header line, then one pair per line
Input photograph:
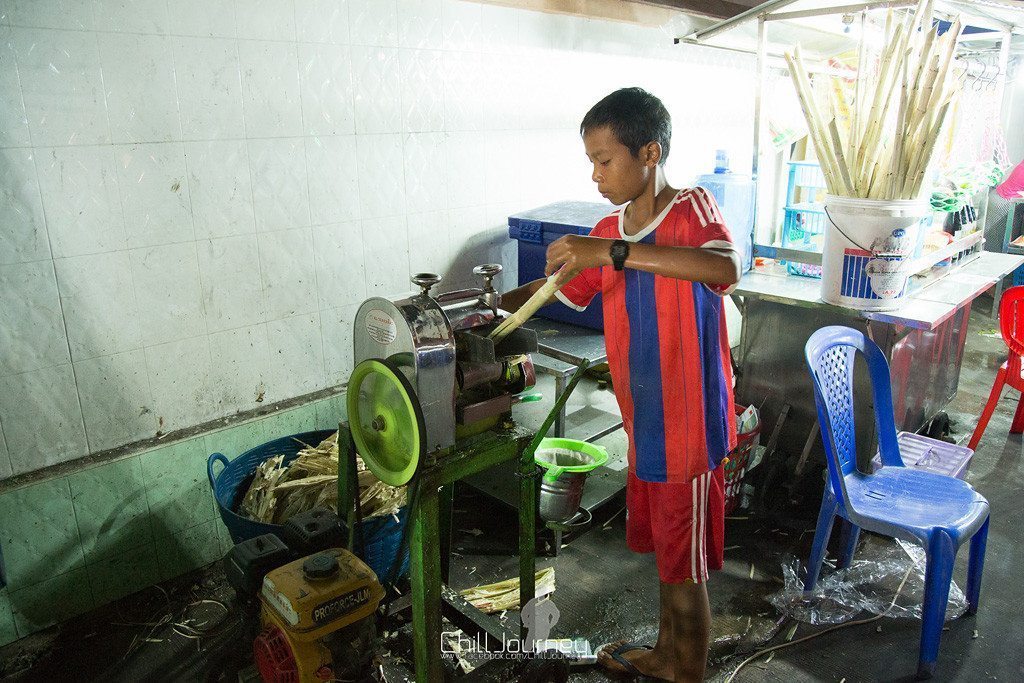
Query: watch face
x,y
619,251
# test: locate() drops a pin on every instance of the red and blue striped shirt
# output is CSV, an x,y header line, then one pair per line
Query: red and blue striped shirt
x,y
668,351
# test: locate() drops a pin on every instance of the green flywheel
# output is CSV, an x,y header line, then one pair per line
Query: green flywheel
x,y
385,420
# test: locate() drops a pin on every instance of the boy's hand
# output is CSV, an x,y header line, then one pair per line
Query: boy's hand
x,y
574,253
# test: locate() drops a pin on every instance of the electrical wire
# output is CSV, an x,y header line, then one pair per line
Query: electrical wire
x,y
780,646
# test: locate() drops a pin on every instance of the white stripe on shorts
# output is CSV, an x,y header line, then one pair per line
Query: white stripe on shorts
x,y
704,526
693,531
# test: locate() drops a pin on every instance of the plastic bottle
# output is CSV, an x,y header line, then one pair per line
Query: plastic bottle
x,y
735,194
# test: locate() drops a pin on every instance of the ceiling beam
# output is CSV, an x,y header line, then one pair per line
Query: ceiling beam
x,y
840,9
763,8
714,9
633,11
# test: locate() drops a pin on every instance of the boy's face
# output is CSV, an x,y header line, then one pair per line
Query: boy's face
x,y
620,176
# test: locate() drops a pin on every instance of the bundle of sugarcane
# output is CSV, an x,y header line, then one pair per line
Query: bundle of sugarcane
x,y
498,597
280,491
898,110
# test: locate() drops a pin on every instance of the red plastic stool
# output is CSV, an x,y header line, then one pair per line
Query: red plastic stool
x,y
1011,325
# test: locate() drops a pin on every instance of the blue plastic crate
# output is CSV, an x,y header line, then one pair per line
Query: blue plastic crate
x,y
531,267
805,175
536,229
1018,276
546,224
929,454
804,229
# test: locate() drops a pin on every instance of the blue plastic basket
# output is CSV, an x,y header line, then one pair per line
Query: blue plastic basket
x,y
381,535
804,229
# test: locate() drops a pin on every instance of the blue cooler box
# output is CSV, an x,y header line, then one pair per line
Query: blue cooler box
x,y
536,229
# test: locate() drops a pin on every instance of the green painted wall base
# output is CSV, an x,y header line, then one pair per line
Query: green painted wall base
x,y
78,541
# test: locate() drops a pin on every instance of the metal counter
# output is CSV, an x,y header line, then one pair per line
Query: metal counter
x,y
931,304
561,348
923,341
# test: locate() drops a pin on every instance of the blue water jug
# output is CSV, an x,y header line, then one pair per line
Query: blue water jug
x,y
735,195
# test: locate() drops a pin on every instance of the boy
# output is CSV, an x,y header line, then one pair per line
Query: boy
x,y
662,263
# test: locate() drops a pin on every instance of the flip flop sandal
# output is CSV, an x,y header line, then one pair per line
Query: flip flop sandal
x,y
617,655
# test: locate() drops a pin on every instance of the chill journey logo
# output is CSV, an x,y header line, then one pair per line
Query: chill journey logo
x,y
539,616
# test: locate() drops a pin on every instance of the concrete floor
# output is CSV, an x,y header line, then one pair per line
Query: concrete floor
x,y
604,592
997,471
885,650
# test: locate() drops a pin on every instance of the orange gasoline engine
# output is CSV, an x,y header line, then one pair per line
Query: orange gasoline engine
x,y
318,617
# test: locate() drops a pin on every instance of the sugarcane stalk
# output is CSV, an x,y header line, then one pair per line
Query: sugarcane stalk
x,y
839,113
946,51
872,177
796,64
919,72
825,148
875,121
877,139
918,137
916,126
930,123
926,18
526,311
837,143
877,180
923,94
926,157
896,164
813,126
860,122
919,13
913,186
890,26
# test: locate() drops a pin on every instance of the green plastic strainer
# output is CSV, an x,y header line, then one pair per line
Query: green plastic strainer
x,y
557,456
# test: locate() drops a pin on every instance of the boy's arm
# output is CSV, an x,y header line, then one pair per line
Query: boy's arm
x,y
710,266
514,299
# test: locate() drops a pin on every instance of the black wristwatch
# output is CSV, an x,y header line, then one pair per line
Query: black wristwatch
x,y
619,252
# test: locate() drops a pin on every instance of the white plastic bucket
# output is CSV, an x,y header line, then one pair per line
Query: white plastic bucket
x,y
869,247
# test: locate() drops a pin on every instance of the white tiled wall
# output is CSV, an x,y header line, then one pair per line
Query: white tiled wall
x,y
195,196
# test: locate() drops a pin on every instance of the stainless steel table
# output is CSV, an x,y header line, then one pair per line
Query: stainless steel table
x,y
562,347
923,340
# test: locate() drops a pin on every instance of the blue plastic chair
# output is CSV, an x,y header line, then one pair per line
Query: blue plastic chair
x,y
937,512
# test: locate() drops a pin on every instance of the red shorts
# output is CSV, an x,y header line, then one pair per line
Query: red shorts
x,y
682,524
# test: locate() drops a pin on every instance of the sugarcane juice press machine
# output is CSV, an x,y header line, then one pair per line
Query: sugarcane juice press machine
x,y
428,403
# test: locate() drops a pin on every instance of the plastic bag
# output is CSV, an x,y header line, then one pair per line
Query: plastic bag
x,y
867,585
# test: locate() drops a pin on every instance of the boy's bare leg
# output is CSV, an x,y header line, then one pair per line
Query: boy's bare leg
x,y
691,629
665,628
682,649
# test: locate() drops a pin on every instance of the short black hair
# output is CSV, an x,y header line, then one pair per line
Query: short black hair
x,y
635,116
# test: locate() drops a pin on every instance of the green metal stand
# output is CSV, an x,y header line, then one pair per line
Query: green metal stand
x,y
474,455
430,533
